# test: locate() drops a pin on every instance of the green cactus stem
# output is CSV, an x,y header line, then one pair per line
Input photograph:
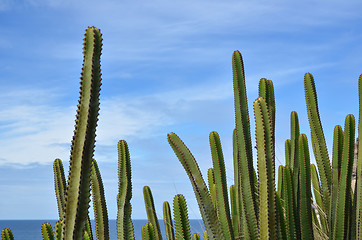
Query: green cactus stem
x,y
343,206
265,147
318,140
207,209
151,212
78,188
222,201
168,221
148,232
182,225
6,234
124,223
196,236
99,203
47,231
306,227
60,186
243,139
58,230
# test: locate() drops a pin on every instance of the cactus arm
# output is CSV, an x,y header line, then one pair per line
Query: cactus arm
x,y
338,137
266,91
86,236
78,191
124,224
206,237
208,212
306,226
211,182
237,183
60,186
288,197
182,225
47,231
282,234
7,234
344,192
168,221
99,203
244,145
287,152
234,210
196,236
148,232
222,201
318,140
151,212
318,198
58,230
265,147
358,199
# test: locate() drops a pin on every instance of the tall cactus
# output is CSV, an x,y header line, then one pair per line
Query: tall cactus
x,y
358,198
124,223
78,191
318,140
99,203
151,212
182,225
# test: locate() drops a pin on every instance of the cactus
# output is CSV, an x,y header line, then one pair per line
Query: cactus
x,y
47,231
182,225
78,187
168,221
99,203
151,212
148,232
6,234
124,223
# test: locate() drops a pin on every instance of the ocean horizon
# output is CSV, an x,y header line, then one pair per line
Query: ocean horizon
x,y
31,229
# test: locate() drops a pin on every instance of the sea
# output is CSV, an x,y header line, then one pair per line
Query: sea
x,y
31,229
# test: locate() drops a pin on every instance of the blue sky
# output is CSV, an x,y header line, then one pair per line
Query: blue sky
x,y
166,68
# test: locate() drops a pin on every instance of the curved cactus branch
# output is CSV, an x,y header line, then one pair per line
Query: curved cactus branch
x,y
151,212
222,201
318,140
99,203
208,212
78,191
243,139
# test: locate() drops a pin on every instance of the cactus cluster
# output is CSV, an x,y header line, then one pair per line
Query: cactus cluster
x,y
259,210
256,206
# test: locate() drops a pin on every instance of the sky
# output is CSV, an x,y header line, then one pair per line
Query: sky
x,y
166,67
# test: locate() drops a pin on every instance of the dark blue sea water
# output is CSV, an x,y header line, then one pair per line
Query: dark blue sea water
x,y
31,229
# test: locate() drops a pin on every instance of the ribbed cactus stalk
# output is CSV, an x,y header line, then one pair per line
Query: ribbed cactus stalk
x,y
318,140
148,232
47,231
182,225
196,236
168,221
151,212
99,203
306,223
6,234
344,201
78,188
265,147
60,186
222,201
243,139
207,209
58,230
124,223
212,185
